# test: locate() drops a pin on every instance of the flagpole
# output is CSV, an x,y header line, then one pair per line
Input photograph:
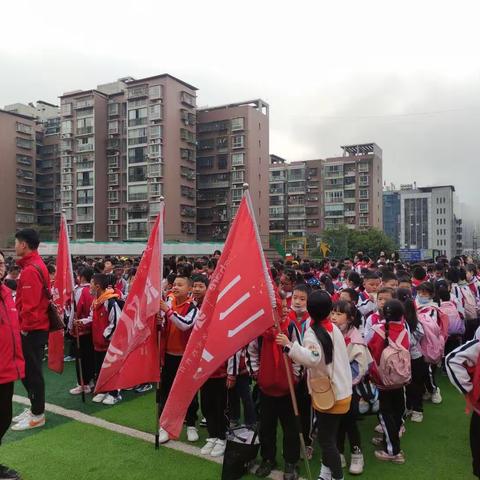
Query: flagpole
x,y
159,333
277,325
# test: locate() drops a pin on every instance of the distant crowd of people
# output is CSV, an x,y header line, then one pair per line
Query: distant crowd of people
x,y
361,336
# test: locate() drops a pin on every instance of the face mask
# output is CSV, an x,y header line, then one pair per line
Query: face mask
x,y
298,309
422,300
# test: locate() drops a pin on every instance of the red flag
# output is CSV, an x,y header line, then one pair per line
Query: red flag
x,y
236,309
132,357
62,296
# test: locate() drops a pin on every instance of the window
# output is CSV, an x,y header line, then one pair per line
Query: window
x,y
113,213
156,131
222,143
67,179
85,214
155,150
85,144
188,136
155,190
24,218
84,179
187,154
238,176
188,227
140,91
137,230
113,230
138,116
363,194
187,173
237,194
137,155
113,196
66,109
205,162
155,170
155,91
363,180
85,231
84,125
137,192
137,174
187,211
112,179
206,144
85,197
25,189
67,196
222,161
137,136
113,109
24,143
334,196
239,159
187,98
155,112
187,191
238,124
238,141
363,207
113,127
24,160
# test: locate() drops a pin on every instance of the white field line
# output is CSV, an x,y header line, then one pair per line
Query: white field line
x,y
131,432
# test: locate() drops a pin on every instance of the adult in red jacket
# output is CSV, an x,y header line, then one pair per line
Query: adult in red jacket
x,y
32,303
12,366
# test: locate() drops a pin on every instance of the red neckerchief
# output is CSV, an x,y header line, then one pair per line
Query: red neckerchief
x,y
327,325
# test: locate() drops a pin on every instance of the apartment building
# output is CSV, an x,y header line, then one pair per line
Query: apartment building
x,y
232,148
17,181
428,220
391,214
37,177
353,187
124,145
295,199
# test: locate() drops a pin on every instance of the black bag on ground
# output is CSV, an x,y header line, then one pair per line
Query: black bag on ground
x,y
241,451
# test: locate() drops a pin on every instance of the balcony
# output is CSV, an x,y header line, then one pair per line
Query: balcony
x,y
85,147
113,144
350,213
296,189
113,161
85,218
84,104
155,170
351,186
84,131
138,92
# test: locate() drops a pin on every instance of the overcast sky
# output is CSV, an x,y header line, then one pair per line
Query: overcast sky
x,y
405,75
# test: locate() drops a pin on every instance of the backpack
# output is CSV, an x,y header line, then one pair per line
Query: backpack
x,y
469,303
456,326
395,368
368,394
432,343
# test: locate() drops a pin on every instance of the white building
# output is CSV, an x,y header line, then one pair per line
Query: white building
x,y
427,219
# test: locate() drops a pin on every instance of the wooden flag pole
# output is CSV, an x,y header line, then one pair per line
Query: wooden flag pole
x,y
78,359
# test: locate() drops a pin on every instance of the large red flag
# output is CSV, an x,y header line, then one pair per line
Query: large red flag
x,y
236,309
62,296
132,357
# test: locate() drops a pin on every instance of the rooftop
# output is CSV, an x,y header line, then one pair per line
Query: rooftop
x,y
259,104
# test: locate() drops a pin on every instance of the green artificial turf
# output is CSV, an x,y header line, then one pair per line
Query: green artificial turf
x,y
436,449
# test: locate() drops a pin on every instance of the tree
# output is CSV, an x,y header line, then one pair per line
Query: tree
x,y
346,242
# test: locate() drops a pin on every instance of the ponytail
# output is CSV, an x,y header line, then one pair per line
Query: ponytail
x,y
325,341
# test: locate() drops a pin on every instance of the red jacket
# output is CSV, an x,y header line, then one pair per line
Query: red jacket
x,y
31,300
12,365
82,310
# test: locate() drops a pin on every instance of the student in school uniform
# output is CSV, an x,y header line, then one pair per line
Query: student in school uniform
x,y
324,354
391,396
383,296
463,368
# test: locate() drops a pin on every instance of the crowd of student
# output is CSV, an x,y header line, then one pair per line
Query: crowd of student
x,y
362,337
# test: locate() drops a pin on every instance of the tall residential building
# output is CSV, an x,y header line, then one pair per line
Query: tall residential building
x,y
232,148
427,218
17,180
124,145
353,187
295,200
29,184
391,214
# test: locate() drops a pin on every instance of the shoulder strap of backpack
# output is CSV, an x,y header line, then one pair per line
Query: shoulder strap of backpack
x,y
44,283
400,338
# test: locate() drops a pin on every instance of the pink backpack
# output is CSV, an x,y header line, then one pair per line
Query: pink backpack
x,y
395,368
469,303
432,343
456,325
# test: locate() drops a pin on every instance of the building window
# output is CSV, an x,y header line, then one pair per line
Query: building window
x,y
24,143
222,161
238,176
137,136
137,155
84,125
363,207
238,141
334,196
222,143
85,214
137,174
137,192
84,179
239,159
113,213
206,144
238,124
205,162
187,192
187,99
113,109
156,131
155,112
66,109
187,154
155,91
24,128
188,227
113,196
113,127
237,194
113,230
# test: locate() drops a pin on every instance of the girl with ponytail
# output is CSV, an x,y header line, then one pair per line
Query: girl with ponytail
x,y
325,356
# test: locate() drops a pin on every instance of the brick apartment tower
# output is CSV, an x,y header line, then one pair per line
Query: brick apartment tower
x,y
232,148
353,188
124,145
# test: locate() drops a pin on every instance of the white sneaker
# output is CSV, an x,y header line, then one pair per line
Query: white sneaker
x,y
163,436
427,396
32,421
379,428
22,416
436,397
342,460
417,417
219,448
356,463
111,400
208,447
99,397
192,434
78,389
325,473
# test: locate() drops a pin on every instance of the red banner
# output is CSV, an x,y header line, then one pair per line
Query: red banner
x,y
62,296
236,309
132,357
